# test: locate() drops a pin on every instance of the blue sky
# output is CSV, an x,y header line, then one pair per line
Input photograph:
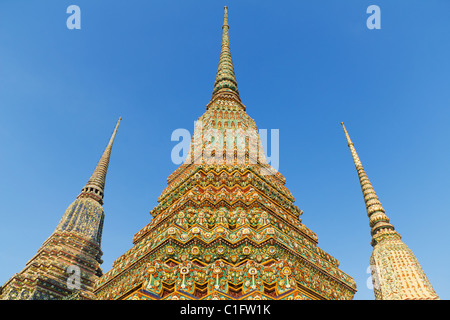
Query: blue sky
x,y
302,67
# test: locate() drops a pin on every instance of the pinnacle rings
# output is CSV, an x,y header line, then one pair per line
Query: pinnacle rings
x,y
381,225
374,208
397,262
373,201
376,217
225,77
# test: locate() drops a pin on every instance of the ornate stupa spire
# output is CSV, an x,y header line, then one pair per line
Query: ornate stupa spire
x,y
225,226
225,78
396,273
68,262
378,220
95,187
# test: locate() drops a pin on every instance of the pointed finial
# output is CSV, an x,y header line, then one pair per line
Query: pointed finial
x,y
378,220
95,187
396,273
349,141
114,132
225,17
225,78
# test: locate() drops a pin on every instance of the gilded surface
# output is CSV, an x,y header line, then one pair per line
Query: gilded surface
x,y
225,226
396,273
75,242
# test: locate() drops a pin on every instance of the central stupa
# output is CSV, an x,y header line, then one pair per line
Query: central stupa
x,y
225,226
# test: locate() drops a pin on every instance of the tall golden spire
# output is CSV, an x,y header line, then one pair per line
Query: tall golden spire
x,y
75,243
225,78
378,220
396,273
95,187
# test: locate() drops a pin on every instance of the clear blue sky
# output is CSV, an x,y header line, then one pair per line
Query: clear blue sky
x,y
302,67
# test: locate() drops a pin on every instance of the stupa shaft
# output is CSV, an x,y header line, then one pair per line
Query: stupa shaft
x,y
68,262
225,226
396,273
